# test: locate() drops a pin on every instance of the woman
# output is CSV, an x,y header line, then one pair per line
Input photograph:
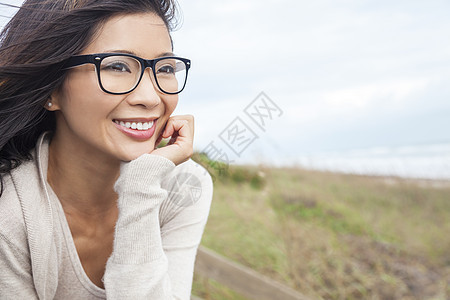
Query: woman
x,y
90,207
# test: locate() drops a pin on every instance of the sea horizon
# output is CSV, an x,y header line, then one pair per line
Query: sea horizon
x,y
424,161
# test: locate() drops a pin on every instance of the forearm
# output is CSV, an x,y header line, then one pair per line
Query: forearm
x,y
138,266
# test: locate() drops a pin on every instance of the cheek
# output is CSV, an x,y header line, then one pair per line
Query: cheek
x,y
81,100
170,103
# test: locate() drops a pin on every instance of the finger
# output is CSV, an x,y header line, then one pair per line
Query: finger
x,y
189,119
158,140
181,131
168,130
173,139
180,146
177,126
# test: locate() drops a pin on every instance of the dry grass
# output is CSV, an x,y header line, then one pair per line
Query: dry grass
x,y
333,236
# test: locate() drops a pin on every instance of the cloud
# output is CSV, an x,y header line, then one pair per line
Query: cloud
x,y
360,98
346,72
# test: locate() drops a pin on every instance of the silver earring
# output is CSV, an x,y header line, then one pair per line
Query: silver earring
x,y
49,104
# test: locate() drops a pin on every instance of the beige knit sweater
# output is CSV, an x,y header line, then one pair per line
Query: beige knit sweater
x,y
163,210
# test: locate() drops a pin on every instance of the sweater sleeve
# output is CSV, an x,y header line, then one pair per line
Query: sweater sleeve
x,y
183,218
16,280
141,266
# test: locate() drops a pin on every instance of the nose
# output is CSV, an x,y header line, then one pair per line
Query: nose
x,y
146,93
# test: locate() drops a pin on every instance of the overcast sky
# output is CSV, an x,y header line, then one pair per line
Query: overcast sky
x,y
346,74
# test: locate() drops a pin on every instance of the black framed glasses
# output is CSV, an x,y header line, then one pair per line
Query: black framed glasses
x,y
120,73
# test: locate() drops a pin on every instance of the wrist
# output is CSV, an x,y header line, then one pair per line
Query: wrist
x,y
142,172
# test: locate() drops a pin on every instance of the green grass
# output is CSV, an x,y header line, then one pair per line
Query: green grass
x,y
331,236
210,289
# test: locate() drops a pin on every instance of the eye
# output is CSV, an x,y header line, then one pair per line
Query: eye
x,y
117,66
166,69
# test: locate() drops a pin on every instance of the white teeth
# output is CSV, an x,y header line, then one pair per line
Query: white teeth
x,y
136,125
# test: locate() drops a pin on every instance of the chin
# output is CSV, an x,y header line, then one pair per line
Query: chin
x,y
132,152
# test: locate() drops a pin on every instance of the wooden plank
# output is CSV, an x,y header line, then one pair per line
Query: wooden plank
x,y
240,278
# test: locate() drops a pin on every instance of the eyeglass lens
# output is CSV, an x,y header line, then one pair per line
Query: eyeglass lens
x,y
120,74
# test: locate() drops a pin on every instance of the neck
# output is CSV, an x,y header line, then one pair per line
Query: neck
x,y
82,179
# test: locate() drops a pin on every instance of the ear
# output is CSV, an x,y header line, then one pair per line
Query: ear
x,y
52,103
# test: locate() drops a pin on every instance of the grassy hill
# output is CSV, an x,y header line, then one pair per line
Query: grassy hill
x,y
328,235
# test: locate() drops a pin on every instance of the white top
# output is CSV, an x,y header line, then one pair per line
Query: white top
x,y
163,210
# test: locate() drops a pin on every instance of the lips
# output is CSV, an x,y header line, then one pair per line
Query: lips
x,y
140,129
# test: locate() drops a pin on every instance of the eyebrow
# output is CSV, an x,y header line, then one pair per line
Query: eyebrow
x,y
164,54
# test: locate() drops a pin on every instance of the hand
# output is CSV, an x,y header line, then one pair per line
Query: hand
x,y
181,145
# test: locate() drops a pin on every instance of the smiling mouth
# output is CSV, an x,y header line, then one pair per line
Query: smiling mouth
x,y
136,125
138,129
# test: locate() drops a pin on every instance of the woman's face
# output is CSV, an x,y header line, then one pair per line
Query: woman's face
x,y
87,117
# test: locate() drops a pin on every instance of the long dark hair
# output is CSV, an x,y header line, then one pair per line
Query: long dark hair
x,y
33,48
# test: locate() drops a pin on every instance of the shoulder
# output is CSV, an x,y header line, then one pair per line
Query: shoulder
x,y
191,179
192,169
190,188
20,182
12,224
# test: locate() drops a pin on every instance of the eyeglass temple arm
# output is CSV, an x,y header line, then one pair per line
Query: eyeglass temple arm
x,y
78,60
